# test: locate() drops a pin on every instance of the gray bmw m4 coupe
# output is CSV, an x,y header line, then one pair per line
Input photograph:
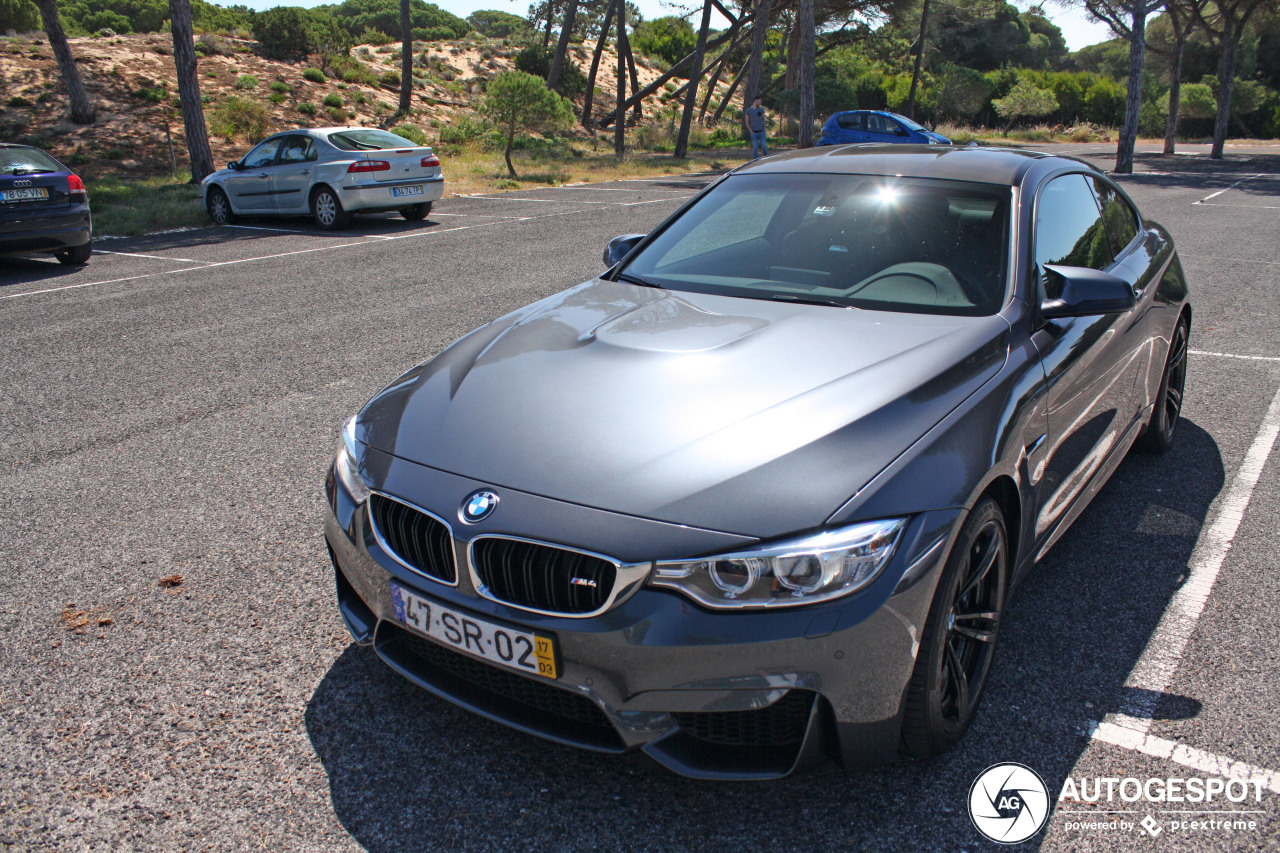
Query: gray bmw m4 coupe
x,y
758,494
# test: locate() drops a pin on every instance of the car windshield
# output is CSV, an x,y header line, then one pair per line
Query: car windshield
x,y
907,123
880,243
370,139
26,161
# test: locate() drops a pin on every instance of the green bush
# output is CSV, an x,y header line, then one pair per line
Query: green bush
x,y
276,98
280,87
236,116
290,33
152,93
315,75
338,114
246,81
411,132
19,101
374,37
307,108
350,70
332,100
389,78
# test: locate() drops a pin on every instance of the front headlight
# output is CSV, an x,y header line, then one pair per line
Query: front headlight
x,y
933,141
814,568
347,465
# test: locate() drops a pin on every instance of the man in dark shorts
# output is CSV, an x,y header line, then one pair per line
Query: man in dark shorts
x,y
754,118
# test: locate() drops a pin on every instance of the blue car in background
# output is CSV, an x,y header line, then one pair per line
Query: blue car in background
x,y
876,126
43,206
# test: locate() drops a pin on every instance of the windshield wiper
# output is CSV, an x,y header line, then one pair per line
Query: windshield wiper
x,y
21,171
633,279
809,300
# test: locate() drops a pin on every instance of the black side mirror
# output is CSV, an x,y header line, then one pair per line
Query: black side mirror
x,y
1086,292
233,165
619,247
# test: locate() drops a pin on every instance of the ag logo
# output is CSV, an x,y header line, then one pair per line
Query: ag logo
x,y
478,506
1008,803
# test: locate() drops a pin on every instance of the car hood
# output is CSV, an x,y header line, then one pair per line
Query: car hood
x,y
741,415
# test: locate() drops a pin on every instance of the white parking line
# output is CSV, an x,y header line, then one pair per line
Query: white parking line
x,y
153,257
1246,206
212,265
1233,186
1188,756
265,228
1155,669
1232,355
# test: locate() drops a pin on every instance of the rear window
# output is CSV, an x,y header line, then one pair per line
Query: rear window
x,y
368,139
20,161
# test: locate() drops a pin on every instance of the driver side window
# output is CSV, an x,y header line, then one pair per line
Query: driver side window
x,y
1069,231
262,156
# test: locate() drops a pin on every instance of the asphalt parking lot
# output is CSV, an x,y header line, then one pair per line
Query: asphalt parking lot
x,y
169,410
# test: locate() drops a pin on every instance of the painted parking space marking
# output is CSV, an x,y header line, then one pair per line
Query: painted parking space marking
x,y
152,257
1180,753
1233,355
1155,670
363,242
1233,186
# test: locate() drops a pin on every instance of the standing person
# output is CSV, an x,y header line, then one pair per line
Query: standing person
x,y
754,118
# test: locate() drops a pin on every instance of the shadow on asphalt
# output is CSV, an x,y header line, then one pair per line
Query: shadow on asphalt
x,y
409,771
263,227
24,269
1173,171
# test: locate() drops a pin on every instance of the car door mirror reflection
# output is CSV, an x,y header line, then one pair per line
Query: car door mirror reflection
x,y
1086,292
619,247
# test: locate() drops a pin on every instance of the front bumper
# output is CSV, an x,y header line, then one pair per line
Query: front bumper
x,y
718,695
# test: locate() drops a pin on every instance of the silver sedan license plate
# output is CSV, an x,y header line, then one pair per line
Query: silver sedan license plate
x,y
523,651
25,194
400,192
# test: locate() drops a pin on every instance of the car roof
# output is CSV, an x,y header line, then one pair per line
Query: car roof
x,y
958,163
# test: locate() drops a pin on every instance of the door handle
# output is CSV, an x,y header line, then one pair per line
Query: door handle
x,y
263,175
305,172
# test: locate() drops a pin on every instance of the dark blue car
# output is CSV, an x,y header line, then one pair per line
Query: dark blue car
x,y
876,126
43,206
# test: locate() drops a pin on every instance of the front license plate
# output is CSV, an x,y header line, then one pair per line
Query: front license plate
x,y
523,651
399,192
25,194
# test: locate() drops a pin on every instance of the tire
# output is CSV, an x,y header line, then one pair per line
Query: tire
x,y
959,637
75,256
219,207
416,212
1158,436
327,210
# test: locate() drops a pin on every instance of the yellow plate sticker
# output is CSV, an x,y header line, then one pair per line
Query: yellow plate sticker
x,y
545,653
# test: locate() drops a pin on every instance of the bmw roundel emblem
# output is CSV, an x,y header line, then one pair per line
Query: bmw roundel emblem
x,y
478,506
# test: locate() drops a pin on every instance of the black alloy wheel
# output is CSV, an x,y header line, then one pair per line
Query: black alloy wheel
x,y
1158,436
960,635
220,207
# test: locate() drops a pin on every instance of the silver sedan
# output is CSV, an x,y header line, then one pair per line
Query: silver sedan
x,y
328,172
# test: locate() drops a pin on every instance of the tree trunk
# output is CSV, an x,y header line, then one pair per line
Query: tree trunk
x,y
1175,92
759,30
1133,99
792,41
728,96
721,64
691,97
637,109
511,139
1226,85
81,109
562,44
915,68
406,57
619,129
662,79
595,65
807,72
184,59
551,16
